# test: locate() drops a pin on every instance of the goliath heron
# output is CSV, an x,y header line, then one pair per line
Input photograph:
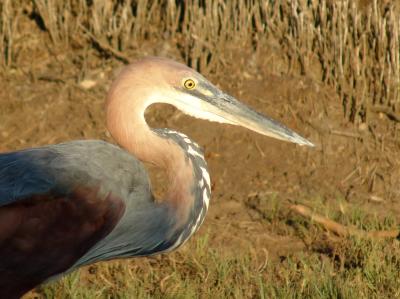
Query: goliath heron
x,y
67,205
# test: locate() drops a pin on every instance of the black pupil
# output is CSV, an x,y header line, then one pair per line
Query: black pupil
x,y
190,84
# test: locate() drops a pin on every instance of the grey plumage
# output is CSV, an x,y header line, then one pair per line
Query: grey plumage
x,y
59,168
155,220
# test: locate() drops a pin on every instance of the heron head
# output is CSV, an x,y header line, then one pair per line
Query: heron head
x,y
176,84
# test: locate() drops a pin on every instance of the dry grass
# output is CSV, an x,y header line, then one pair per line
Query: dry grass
x,y
332,268
10,14
355,50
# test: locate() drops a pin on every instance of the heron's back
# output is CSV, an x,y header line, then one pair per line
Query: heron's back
x,y
57,202
63,167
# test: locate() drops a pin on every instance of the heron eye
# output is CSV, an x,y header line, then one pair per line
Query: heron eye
x,y
189,84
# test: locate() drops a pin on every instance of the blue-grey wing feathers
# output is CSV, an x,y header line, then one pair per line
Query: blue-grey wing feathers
x,y
22,174
63,167
145,228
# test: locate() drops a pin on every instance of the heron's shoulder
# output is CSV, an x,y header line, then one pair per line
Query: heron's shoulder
x,y
92,150
80,154
100,161
62,167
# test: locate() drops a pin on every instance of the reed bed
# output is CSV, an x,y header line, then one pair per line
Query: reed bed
x,y
352,49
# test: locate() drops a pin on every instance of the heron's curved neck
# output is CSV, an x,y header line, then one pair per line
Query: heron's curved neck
x,y
127,125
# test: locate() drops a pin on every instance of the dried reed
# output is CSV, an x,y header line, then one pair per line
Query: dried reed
x,y
355,51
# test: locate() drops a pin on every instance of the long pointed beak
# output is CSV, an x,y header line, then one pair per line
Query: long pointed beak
x,y
237,113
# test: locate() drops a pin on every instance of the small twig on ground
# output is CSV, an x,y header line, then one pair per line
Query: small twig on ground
x,y
259,149
53,79
345,134
340,229
326,130
117,54
387,111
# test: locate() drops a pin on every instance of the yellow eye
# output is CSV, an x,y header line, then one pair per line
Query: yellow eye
x,y
189,84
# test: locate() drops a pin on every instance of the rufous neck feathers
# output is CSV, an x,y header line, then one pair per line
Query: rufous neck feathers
x,y
126,103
